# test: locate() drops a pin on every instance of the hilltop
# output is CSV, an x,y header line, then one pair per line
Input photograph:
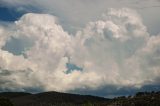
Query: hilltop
x,y
66,99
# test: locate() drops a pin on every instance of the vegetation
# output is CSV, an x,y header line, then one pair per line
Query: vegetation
x,y
140,99
5,102
64,99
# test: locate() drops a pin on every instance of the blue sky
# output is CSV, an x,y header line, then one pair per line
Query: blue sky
x,y
105,48
8,14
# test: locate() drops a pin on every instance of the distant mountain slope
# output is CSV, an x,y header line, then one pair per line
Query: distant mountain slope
x,y
13,94
52,99
65,99
140,99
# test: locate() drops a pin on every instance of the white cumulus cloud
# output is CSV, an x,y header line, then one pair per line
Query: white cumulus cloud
x,y
114,50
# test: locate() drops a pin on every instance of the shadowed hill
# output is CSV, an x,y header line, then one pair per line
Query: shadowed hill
x,y
11,95
140,99
51,99
66,99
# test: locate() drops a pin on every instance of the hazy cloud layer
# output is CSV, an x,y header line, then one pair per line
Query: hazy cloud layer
x,y
114,50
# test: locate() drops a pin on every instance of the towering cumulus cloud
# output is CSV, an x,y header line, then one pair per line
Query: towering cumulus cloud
x,y
115,50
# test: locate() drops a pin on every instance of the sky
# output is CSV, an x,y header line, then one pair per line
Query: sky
x,y
105,48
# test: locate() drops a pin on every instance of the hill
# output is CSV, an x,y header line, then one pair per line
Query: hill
x,y
51,99
66,99
140,99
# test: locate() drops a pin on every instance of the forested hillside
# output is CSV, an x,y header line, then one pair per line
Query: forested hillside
x,y
65,99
